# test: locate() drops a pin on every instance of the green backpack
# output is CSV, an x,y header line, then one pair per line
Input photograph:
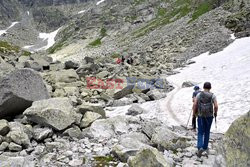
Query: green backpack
x,y
205,104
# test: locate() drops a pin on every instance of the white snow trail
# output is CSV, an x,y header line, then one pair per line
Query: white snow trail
x,y
229,73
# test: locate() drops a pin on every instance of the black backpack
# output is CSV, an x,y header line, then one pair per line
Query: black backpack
x,y
205,104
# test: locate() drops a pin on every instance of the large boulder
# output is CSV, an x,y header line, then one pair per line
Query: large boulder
x,y
87,69
67,76
188,84
71,65
5,67
19,89
156,94
108,128
236,142
57,113
85,107
127,147
148,157
33,65
135,109
89,118
166,139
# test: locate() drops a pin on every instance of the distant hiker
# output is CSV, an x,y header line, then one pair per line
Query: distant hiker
x,y
196,91
130,60
205,106
118,61
123,59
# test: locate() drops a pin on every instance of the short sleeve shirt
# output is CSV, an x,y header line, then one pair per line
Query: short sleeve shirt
x,y
213,96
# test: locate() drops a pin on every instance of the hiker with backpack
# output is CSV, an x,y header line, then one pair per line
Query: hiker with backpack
x,y
196,91
206,107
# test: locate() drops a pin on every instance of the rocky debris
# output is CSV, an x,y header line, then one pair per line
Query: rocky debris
x,y
14,147
88,60
149,127
108,128
103,74
168,140
127,147
156,94
71,65
135,109
85,107
89,118
56,113
4,127
87,69
188,84
33,65
148,157
5,67
235,143
40,134
123,92
19,89
122,102
74,132
66,76
3,146
18,134
16,161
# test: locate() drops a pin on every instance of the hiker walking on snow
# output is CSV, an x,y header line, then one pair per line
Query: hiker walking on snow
x,y
196,91
206,107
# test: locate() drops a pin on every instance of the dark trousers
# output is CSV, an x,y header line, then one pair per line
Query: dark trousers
x,y
204,126
194,122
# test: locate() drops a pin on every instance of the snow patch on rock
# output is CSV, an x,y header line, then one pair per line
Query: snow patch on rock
x,y
99,2
5,31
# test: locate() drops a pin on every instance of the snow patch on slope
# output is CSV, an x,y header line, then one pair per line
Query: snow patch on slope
x,y
49,38
99,2
5,31
229,73
233,36
82,11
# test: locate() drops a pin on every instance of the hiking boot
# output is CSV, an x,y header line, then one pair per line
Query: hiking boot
x,y
199,152
205,152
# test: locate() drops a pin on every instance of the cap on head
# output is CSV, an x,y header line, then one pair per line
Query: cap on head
x,y
207,85
196,88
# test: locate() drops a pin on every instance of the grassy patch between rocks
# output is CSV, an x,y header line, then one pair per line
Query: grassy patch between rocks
x,y
26,53
96,42
165,17
101,161
202,9
7,47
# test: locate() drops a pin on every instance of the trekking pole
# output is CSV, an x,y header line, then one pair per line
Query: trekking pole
x,y
189,118
215,124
